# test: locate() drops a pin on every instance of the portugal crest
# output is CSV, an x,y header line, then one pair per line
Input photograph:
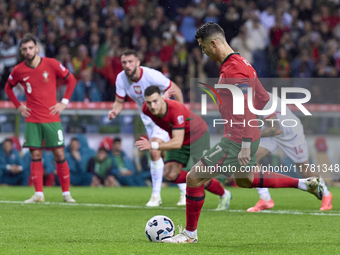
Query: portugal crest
x,y
45,75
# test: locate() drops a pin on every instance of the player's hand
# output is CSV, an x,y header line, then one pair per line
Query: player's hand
x,y
57,109
112,114
244,156
169,93
24,110
143,144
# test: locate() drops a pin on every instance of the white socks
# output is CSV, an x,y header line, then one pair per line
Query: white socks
x,y
191,234
302,185
182,187
264,194
66,193
325,189
156,169
40,193
226,193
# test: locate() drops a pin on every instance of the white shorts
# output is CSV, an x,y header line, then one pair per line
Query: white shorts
x,y
155,131
296,150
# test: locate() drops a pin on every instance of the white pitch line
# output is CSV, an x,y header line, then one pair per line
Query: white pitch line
x,y
292,212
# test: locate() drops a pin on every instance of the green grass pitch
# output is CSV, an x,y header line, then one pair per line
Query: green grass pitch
x,y
112,221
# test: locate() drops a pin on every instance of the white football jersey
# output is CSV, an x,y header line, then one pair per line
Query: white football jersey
x,y
288,133
135,90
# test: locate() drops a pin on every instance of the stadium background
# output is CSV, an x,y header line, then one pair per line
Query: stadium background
x,y
282,40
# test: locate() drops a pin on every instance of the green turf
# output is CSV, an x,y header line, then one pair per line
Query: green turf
x,y
101,229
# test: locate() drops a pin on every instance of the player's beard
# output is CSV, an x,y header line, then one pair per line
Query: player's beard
x,y
130,76
30,60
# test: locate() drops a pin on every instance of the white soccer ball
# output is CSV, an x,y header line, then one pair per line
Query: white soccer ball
x,y
159,228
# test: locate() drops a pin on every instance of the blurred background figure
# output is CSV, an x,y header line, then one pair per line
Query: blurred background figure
x,y
77,155
100,166
12,171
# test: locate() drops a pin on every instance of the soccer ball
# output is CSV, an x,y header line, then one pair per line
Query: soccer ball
x,y
159,228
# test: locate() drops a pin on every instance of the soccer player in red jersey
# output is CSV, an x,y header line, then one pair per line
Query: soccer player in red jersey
x,y
38,76
189,137
240,141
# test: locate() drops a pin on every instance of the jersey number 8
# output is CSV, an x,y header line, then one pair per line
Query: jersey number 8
x,y
29,88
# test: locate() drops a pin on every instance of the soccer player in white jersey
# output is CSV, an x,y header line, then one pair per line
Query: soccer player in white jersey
x,y
133,81
293,143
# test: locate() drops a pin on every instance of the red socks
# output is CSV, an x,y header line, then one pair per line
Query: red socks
x,y
182,177
195,201
273,180
63,172
215,187
37,173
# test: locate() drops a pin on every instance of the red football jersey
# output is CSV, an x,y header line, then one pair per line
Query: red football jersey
x,y
237,71
178,116
40,85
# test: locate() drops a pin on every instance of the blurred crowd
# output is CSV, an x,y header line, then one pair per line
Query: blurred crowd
x,y
108,166
280,38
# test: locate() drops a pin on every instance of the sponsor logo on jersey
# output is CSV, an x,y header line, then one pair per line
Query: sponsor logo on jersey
x,y
138,89
62,67
45,75
26,78
180,119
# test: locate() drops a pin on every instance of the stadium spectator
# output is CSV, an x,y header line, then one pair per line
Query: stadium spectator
x,y
81,62
12,171
86,90
48,164
8,58
77,155
100,166
244,44
123,168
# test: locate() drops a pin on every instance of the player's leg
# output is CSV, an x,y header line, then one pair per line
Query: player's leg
x,y
195,199
54,140
298,153
156,134
304,169
201,148
266,202
33,140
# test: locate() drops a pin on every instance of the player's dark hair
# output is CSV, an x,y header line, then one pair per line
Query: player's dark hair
x,y
74,139
151,89
130,52
209,29
7,140
28,38
117,139
102,149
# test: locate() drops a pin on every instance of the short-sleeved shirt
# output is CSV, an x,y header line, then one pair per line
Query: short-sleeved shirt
x,y
178,116
40,85
237,71
135,89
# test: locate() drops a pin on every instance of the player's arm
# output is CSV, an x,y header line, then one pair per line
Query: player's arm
x,y
273,127
71,83
23,109
174,91
116,107
175,142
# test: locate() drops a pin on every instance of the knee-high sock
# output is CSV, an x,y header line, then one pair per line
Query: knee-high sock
x,y
63,172
215,187
156,169
181,181
264,194
273,180
37,173
195,200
